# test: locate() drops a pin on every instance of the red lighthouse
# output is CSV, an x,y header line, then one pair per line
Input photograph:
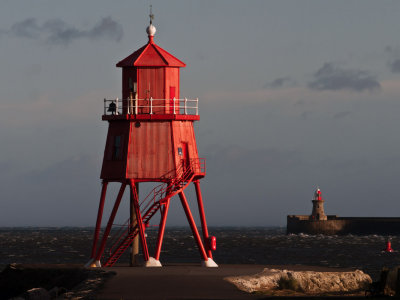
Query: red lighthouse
x,y
150,139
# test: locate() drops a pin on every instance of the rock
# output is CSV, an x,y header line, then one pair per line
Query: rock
x,y
37,294
390,287
309,282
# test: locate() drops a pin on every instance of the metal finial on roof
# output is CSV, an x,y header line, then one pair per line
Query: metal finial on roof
x,y
151,14
151,29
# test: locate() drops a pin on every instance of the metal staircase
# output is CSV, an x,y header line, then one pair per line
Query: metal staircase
x,y
151,204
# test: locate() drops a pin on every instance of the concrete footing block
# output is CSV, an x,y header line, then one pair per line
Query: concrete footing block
x,y
152,262
93,263
210,263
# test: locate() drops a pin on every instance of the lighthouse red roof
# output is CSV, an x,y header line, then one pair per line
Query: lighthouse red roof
x,y
151,55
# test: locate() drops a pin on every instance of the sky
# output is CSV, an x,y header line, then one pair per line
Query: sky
x,y
292,95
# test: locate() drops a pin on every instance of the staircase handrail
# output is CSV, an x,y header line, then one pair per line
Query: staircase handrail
x,y
155,190
160,189
116,237
182,173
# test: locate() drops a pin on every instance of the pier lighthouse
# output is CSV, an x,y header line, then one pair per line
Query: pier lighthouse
x,y
318,212
150,139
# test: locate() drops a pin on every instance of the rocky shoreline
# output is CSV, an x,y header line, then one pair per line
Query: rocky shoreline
x,y
275,281
45,281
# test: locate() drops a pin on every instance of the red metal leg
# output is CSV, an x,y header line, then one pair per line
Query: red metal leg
x,y
193,225
110,221
99,217
202,218
161,230
139,221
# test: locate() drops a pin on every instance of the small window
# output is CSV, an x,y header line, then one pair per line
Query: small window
x,y
132,86
117,150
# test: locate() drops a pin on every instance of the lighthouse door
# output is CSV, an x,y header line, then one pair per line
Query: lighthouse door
x,y
185,156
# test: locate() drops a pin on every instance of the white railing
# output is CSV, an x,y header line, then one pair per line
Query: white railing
x,y
151,106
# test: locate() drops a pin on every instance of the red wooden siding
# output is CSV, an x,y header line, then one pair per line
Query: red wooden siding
x,y
115,168
171,80
150,151
151,84
183,132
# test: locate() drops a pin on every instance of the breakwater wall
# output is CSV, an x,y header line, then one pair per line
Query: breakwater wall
x,y
343,225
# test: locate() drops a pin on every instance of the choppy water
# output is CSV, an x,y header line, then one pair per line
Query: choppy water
x,y
234,246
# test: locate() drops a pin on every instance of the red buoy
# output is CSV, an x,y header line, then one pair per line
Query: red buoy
x,y
212,240
388,246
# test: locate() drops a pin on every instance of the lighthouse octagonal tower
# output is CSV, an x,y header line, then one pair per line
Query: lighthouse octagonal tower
x,y
150,139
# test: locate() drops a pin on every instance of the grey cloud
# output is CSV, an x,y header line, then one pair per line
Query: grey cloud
x,y
394,66
27,28
57,32
394,62
279,82
334,78
107,27
393,51
389,49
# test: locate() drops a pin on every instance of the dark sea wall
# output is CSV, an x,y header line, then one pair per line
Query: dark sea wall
x,y
343,225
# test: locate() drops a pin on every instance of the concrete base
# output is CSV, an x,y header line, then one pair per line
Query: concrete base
x,y
152,262
209,263
178,281
93,264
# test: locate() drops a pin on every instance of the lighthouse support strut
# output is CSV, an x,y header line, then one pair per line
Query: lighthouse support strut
x,y
99,217
139,220
161,230
164,214
193,226
134,251
110,221
202,218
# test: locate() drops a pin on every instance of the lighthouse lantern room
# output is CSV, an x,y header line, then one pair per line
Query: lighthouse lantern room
x,y
150,139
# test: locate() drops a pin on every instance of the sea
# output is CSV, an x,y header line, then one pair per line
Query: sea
x,y
235,245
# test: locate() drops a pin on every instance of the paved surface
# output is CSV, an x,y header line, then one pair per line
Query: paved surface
x,y
184,282
176,282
